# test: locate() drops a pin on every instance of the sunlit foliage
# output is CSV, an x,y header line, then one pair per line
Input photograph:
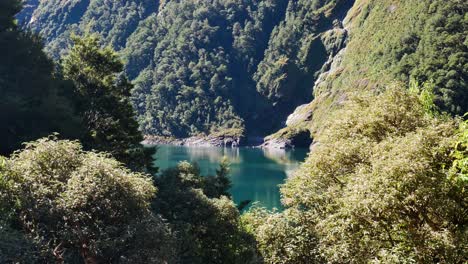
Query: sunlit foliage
x,y
208,229
82,205
377,187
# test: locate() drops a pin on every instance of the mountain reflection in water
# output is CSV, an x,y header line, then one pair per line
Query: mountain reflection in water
x,y
255,173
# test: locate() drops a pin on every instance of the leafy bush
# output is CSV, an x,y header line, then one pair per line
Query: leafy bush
x,y
77,203
208,229
283,238
376,188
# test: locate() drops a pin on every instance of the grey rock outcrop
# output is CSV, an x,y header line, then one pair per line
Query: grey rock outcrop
x,y
196,141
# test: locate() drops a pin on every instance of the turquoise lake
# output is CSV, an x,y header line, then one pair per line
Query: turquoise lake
x,y
255,173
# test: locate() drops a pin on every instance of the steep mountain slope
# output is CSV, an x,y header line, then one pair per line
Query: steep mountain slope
x,y
29,6
241,67
298,48
199,78
114,20
392,42
224,66
381,183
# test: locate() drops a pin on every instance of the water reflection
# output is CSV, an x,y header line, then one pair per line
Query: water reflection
x,y
255,173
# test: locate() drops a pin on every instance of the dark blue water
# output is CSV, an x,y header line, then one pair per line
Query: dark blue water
x,y
255,173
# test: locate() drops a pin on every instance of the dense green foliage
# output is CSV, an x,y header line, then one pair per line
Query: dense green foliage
x,y
15,247
199,78
423,41
60,203
282,238
204,67
459,169
86,207
82,204
93,107
297,50
32,98
207,227
219,184
195,62
102,93
441,54
385,181
114,20
376,188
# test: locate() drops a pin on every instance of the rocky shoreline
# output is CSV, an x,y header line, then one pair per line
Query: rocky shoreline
x,y
196,141
220,141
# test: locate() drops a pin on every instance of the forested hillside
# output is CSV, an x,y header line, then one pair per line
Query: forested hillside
x,y
230,66
402,42
113,20
204,67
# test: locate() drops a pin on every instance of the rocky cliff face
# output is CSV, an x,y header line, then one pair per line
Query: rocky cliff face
x,y
384,43
29,7
297,132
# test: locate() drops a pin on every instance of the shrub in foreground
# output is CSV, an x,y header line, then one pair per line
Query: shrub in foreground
x,y
386,183
76,204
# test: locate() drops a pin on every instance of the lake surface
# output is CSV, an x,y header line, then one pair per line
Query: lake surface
x,y
255,173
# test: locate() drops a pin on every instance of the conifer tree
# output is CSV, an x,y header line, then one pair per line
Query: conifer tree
x,y
103,93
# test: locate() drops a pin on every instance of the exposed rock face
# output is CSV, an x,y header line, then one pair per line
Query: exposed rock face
x,y
212,141
26,15
296,133
156,140
300,114
290,139
277,143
